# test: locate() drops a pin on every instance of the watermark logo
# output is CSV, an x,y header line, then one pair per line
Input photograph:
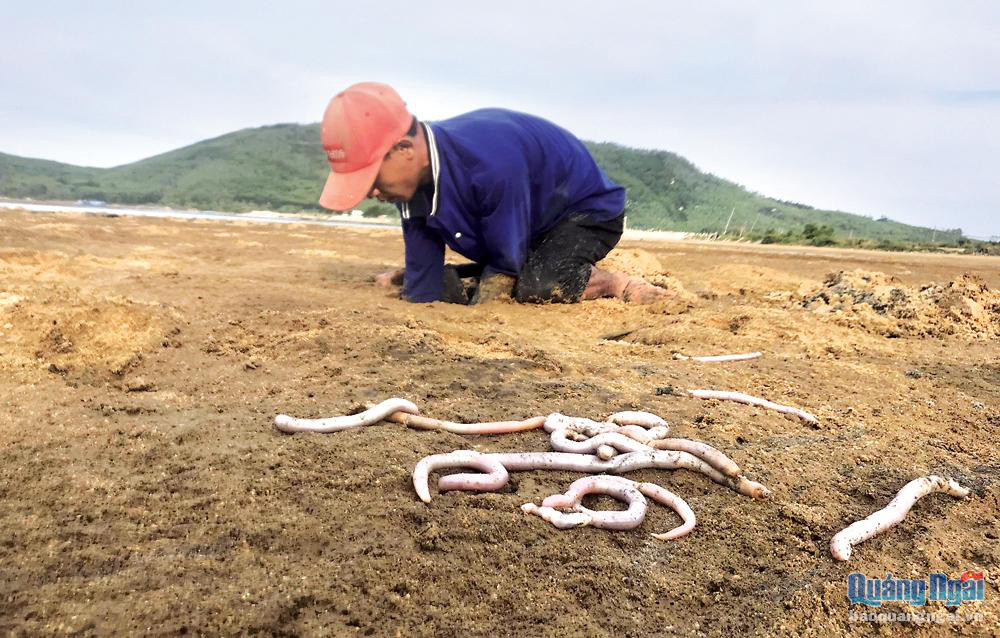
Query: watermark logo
x,y
936,587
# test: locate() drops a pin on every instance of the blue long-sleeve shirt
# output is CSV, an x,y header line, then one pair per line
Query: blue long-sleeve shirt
x,y
501,179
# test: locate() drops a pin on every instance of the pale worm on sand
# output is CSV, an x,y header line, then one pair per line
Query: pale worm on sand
x,y
562,520
718,357
860,531
373,414
739,397
634,417
674,502
500,427
672,460
655,426
614,486
561,442
495,476
402,411
581,428
566,461
606,452
587,485
556,421
608,443
704,451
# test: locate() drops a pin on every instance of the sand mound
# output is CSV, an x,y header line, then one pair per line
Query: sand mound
x,y
635,261
632,261
882,304
743,278
71,331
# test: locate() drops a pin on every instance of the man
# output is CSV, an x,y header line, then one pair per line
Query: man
x,y
519,196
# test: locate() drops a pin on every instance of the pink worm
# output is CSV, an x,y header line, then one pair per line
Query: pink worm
x,y
499,427
615,486
633,417
642,434
677,459
739,397
509,462
560,442
674,502
897,509
562,520
496,474
617,422
582,432
718,357
526,461
704,451
600,444
372,415
571,500
556,421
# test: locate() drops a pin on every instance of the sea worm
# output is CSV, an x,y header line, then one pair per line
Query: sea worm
x,y
373,414
634,417
739,397
556,421
718,357
843,542
566,461
499,427
581,428
495,476
608,444
674,502
673,459
614,486
562,520
704,451
561,442
573,496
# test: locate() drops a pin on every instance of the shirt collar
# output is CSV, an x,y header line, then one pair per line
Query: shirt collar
x,y
419,206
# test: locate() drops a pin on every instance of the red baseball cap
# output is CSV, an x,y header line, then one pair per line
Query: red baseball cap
x,y
360,125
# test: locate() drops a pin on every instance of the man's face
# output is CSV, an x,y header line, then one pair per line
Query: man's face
x,y
398,179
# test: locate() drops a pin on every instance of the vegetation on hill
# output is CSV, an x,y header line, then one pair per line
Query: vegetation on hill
x,y
668,192
279,167
282,167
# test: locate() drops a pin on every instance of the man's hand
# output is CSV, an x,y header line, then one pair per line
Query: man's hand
x,y
492,286
390,278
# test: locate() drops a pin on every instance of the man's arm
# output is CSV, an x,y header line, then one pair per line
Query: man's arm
x,y
424,280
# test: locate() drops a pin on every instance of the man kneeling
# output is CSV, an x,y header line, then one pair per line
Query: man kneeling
x,y
519,196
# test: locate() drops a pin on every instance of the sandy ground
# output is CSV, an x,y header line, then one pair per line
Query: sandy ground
x,y
144,488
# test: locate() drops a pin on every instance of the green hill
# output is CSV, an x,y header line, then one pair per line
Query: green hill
x,y
282,167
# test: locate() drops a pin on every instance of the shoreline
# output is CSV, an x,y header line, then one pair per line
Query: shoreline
x,y
349,221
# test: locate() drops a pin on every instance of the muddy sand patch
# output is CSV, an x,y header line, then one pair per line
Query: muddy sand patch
x,y
880,303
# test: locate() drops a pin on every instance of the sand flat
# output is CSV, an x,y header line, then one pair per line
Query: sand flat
x,y
144,487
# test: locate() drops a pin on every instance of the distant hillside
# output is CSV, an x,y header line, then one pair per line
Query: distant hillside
x,y
282,167
274,167
668,192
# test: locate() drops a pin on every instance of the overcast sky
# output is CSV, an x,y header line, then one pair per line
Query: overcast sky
x,y
880,108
